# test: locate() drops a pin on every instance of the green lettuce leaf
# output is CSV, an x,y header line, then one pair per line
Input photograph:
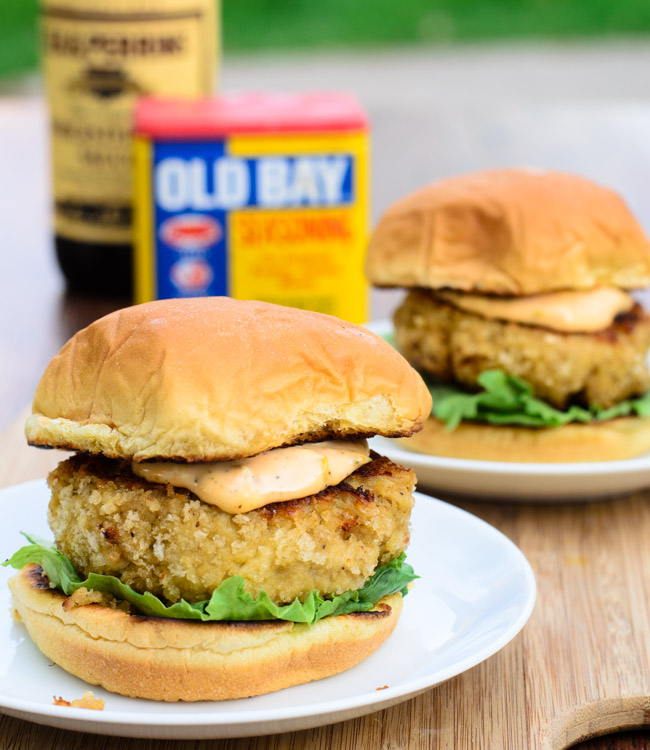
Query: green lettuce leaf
x,y
229,601
505,399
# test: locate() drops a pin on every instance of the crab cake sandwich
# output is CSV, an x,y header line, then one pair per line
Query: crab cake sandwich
x,y
222,529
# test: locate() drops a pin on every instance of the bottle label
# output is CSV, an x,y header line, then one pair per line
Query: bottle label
x,y
98,57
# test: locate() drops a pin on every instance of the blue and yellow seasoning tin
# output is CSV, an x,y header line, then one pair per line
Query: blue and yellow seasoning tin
x,y
253,196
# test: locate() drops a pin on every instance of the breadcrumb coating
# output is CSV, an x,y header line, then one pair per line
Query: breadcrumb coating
x,y
164,540
600,368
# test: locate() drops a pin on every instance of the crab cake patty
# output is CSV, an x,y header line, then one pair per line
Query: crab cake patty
x,y
163,539
600,368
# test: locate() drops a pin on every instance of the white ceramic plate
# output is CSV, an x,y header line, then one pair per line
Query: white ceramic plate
x,y
505,480
501,480
475,593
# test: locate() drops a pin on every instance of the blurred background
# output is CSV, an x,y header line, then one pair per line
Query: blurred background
x,y
450,86
258,25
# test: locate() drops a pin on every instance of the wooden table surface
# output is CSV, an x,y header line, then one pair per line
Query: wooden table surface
x,y
580,667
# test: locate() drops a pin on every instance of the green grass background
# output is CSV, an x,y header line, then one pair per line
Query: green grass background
x,y
254,25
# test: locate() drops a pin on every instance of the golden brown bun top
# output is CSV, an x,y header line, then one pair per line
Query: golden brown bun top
x,y
216,378
510,232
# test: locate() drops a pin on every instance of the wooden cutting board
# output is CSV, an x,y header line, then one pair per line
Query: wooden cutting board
x,y
580,667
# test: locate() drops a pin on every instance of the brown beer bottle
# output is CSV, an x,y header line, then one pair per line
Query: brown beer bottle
x,y
98,57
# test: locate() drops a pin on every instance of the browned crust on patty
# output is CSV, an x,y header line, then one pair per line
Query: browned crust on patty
x,y
163,539
600,368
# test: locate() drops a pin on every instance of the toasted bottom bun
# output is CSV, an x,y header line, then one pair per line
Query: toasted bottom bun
x,y
613,440
174,660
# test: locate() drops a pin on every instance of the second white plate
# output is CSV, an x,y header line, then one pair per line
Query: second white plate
x,y
502,480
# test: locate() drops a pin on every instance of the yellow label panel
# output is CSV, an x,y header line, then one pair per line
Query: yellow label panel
x,y
308,258
144,258
292,143
311,258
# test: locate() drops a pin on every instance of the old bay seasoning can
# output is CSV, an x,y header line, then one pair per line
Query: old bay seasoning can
x,y
256,196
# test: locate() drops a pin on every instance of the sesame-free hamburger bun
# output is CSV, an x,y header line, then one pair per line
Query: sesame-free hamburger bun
x,y
216,378
236,389
509,231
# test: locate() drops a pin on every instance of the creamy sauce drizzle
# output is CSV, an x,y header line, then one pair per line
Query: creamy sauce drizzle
x,y
275,476
576,312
